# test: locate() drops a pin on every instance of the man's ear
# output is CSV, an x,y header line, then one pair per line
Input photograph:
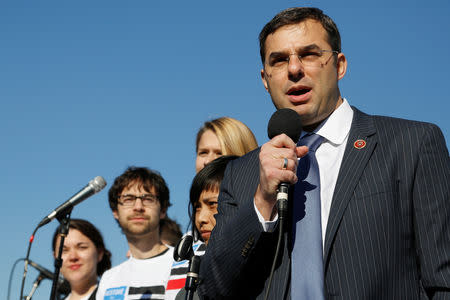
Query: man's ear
x,y
115,214
263,78
341,65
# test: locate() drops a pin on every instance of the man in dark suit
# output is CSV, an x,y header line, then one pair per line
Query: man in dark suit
x,y
384,188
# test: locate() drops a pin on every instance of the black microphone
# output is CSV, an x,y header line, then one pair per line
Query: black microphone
x,y
94,186
63,285
183,250
285,121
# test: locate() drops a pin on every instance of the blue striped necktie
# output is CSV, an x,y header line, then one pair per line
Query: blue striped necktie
x,y
307,254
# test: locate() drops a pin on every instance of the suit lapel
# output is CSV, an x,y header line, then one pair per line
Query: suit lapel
x,y
353,164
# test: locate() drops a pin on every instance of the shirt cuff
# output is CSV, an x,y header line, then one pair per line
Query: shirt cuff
x,y
268,226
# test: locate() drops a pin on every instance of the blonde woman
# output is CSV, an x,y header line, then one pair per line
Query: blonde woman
x,y
222,136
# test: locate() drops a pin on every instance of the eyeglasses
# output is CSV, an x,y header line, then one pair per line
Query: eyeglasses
x,y
128,200
310,58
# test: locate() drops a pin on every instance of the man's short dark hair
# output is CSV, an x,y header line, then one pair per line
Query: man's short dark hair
x,y
146,179
297,15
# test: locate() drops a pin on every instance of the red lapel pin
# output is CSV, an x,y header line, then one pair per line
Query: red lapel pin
x,y
359,144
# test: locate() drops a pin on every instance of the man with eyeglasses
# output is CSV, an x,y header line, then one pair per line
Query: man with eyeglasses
x,y
369,210
139,199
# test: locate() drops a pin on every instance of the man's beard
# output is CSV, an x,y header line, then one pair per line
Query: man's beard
x,y
134,229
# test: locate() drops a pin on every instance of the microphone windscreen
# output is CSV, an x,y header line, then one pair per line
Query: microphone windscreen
x,y
285,121
183,249
98,183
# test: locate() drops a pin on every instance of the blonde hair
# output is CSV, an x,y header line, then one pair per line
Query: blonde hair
x,y
235,137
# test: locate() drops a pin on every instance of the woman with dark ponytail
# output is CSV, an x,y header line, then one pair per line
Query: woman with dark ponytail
x,y
85,258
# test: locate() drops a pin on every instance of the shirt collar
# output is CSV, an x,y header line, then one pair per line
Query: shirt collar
x,y
336,127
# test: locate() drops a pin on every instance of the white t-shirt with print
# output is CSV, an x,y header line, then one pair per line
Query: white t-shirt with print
x,y
137,278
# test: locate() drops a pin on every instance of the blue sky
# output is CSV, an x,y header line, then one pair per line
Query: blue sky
x,y
88,88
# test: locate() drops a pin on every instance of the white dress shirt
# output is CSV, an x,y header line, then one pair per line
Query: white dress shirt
x,y
335,130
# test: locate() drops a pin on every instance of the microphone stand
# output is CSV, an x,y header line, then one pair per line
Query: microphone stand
x,y
64,219
35,285
192,277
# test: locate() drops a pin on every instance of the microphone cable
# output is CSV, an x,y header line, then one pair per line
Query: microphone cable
x,y
8,297
282,206
25,268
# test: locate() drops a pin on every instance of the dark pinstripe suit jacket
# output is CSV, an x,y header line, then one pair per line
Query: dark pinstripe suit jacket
x,y
388,233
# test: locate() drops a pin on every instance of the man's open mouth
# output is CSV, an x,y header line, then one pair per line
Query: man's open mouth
x,y
299,92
